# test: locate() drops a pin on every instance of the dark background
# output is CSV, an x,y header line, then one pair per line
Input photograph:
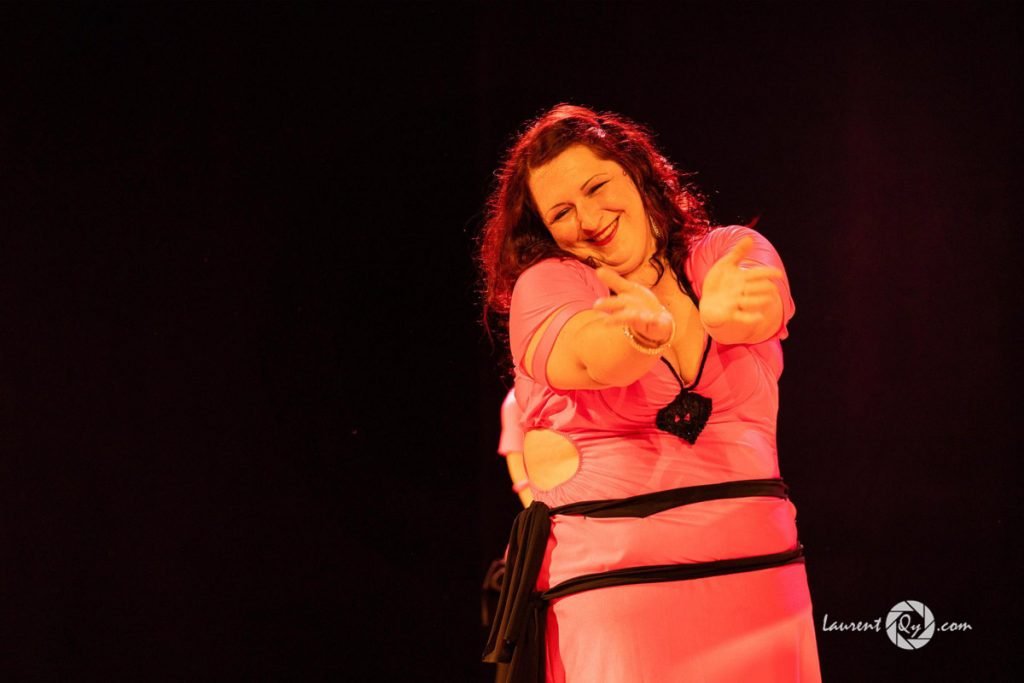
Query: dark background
x,y
249,415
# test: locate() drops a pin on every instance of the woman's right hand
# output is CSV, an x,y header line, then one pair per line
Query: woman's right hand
x,y
635,306
591,351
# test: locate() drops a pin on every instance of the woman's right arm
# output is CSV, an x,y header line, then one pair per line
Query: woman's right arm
x,y
592,349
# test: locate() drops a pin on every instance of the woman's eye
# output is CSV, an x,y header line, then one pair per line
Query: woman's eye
x,y
560,214
597,187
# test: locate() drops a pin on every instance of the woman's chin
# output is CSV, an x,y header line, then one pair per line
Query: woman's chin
x,y
609,261
618,263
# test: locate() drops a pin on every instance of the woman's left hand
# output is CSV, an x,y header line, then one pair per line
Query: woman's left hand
x,y
738,293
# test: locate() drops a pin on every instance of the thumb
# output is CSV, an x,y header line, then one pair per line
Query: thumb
x,y
738,252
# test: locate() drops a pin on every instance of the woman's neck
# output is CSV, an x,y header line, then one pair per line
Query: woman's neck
x,y
655,274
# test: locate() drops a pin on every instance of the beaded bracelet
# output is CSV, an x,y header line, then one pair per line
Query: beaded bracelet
x,y
646,345
520,485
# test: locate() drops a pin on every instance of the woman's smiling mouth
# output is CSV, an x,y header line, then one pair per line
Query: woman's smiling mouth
x,y
606,235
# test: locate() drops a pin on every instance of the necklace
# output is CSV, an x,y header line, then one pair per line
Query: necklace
x,y
688,412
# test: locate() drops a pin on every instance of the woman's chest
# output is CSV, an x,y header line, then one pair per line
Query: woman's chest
x,y
690,342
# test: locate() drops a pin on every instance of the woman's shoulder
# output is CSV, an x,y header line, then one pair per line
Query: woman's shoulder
x,y
557,274
724,237
555,265
717,242
562,286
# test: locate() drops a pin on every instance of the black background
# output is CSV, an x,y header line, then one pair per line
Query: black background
x,y
249,414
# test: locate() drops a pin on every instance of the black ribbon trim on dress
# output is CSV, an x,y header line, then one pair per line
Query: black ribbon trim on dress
x,y
517,633
659,573
648,504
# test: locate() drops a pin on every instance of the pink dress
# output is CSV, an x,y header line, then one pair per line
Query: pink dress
x,y
751,626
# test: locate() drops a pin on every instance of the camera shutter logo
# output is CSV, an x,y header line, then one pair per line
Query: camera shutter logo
x,y
910,624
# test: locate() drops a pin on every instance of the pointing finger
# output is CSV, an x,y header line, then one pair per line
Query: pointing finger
x,y
609,304
613,280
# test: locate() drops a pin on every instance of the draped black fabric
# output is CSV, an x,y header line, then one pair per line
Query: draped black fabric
x,y
526,547
516,641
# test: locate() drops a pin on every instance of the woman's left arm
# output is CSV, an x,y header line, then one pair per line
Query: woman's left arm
x,y
740,302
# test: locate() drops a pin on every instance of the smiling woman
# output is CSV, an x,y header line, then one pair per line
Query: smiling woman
x,y
601,219
647,353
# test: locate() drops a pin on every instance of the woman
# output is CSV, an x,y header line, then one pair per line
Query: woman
x,y
510,447
646,347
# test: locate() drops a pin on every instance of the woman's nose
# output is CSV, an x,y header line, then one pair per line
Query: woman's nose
x,y
590,218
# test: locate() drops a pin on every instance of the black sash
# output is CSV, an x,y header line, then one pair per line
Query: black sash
x,y
517,633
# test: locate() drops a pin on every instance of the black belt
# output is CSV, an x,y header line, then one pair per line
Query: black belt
x,y
517,633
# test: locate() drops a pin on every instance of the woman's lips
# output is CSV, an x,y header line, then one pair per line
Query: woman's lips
x,y
606,235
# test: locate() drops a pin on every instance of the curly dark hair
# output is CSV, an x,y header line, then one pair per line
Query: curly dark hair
x,y
514,237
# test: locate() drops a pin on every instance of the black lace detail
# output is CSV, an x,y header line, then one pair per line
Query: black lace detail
x,y
685,416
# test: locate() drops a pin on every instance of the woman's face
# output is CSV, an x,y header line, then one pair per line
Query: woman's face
x,y
592,209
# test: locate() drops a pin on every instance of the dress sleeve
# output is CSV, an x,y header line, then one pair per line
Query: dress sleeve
x,y
562,287
718,242
511,440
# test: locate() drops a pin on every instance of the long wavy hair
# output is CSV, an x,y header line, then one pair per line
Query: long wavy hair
x,y
514,237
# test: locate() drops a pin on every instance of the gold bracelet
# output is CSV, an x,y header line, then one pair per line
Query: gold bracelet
x,y
651,347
